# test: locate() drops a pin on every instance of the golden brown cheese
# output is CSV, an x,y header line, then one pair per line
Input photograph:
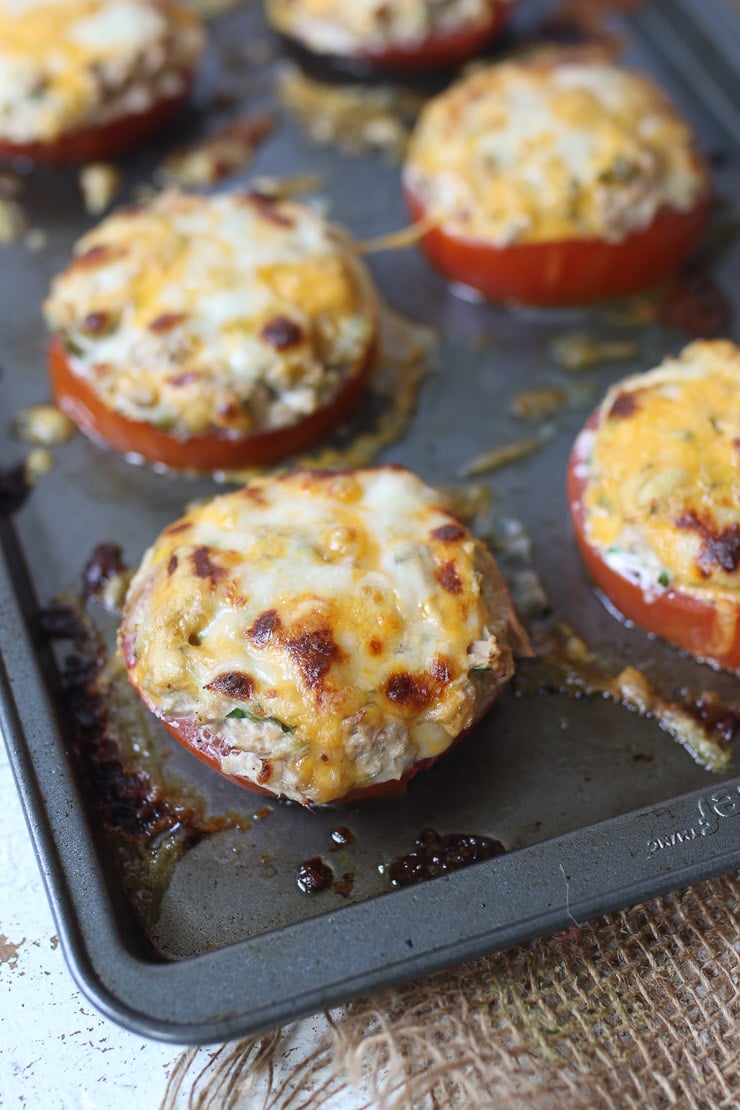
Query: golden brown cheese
x,y
346,29
526,153
231,313
324,631
66,64
662,499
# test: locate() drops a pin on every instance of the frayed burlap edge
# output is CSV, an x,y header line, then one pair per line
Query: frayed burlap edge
x,y
637,1009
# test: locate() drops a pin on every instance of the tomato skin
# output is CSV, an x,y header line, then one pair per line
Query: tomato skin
x,y
444,47
681,618
99,141
207,452
439,49
186,732
565,271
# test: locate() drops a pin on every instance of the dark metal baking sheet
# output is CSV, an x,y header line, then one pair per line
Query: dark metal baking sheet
x,y
597,807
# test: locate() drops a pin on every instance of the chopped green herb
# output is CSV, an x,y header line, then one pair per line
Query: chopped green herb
x,y
276,721
663,578
620,170
244,714
73,348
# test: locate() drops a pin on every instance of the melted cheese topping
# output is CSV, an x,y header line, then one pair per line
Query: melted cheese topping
x,y
662,499
346,29
65,64
228,313
324,631
524,153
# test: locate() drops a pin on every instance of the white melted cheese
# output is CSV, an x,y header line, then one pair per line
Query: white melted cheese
x,y
67,64
631,558
175,313
347,29
121,26
320,627
526,152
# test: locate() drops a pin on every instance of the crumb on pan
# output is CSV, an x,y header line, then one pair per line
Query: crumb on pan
x,y
99,182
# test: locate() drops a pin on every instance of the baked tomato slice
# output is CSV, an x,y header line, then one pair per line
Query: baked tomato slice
x,y
208,452
189,733
444,46
708,629
565,271
211,748
99,141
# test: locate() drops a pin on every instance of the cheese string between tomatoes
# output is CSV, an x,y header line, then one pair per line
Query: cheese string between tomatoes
x,y
397,240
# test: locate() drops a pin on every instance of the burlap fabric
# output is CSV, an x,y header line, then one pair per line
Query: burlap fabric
x,y
636,1009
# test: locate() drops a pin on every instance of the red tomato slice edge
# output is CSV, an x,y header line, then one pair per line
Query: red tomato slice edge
x,y
565,271
680,618
186,732
208,452
444,47
100,141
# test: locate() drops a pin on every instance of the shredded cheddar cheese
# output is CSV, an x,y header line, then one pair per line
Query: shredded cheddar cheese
x,y
232,312
323,631
662,498
527,152
65,64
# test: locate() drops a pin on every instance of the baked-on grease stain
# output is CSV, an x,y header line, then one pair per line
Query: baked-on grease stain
x,y
696,305
345,885
60,622
106,562
148,826
435,854
715,716
314,875
704,723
